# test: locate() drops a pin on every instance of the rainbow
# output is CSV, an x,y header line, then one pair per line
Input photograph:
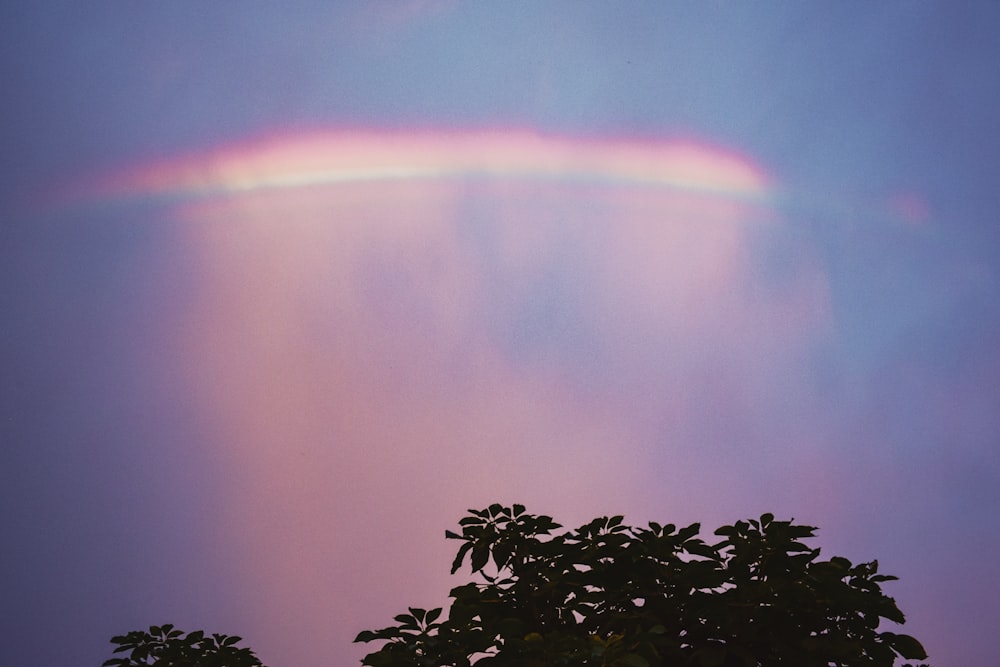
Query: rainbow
x,y
341,157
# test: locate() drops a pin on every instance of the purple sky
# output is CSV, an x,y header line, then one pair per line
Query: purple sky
x,y
285,289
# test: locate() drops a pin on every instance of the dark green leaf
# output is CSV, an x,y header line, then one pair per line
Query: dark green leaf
x,y
908,647
480,556
699,548
457,563
840,563
632,660
798,532
689,531
466,591
891,611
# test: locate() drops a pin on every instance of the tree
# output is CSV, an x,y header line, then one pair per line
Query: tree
x,y
613,595
163,646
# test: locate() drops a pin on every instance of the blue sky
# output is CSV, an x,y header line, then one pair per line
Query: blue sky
x,y
256,410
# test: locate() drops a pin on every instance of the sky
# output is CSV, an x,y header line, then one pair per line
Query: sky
x,y
285,288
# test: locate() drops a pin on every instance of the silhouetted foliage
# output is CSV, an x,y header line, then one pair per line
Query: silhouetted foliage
x,y
163,646
614,595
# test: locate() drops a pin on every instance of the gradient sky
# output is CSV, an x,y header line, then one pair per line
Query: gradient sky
x,y
286,287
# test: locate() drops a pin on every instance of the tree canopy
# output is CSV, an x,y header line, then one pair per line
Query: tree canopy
x,y
614,595
164,646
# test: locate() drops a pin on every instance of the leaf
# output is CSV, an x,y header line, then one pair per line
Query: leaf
x,y
892,612
518,510
452,535
460,556
433,615
365,636
464,591
686,533
632,660
797,547
699,548
840,563
801,531
544,524
906,646
480,556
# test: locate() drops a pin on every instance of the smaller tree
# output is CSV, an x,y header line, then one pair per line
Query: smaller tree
x,y
163,646
611,595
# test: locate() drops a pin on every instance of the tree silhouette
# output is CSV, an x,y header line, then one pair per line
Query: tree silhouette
x,y
163,646
613,595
